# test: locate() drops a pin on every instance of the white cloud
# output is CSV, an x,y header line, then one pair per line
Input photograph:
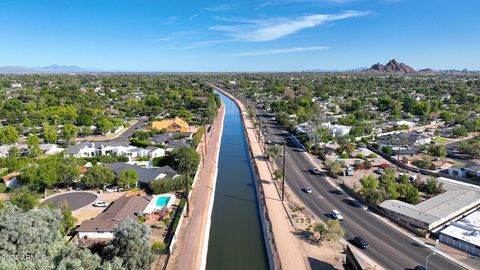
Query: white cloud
x,y
193,16
222,7
278,27
282,51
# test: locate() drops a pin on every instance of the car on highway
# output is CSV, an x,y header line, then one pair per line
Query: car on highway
x,y
336,215
100,204
315,170
307,190
419,267
360,242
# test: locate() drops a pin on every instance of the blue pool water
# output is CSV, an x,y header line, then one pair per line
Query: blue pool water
x,y
162,201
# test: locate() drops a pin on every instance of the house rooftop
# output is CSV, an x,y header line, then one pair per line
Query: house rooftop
x,y
145,175
116,213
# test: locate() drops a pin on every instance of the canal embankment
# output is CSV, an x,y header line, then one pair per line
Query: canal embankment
x,y
190,245
283,248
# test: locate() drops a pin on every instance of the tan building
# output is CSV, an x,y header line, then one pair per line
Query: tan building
x,y
171,125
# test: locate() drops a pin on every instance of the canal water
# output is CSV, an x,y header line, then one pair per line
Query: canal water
x,y
236,237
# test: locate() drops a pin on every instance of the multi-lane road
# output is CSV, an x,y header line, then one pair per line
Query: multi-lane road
x,y
389,248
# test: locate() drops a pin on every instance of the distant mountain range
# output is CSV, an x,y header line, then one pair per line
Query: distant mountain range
x,y
47,69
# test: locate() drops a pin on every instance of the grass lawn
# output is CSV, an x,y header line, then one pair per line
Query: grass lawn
x,y
458,164
441,140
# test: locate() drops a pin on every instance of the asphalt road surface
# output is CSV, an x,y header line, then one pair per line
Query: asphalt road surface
x,y
388,247
75,200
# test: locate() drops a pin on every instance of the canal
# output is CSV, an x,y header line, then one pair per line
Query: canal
x,y
236,236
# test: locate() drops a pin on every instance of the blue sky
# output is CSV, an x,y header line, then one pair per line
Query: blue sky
x,y
275,35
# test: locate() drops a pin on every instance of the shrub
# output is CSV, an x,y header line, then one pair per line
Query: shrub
x,y
372,155
158,247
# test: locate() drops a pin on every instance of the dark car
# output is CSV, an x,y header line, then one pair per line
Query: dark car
x,y
419,267
360,242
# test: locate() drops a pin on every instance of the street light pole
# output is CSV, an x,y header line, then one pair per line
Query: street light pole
x,y
426,263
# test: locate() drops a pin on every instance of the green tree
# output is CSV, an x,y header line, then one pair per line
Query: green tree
x,y
387,150
411,194
8,135
104,125
69,132
438,151
33,143
50,134
185,158
460,131
68,171
334,167
98,177
131,243
273,151
68,220
127,178
335,231
24,199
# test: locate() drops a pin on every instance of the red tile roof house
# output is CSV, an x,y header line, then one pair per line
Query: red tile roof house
x,y
101,227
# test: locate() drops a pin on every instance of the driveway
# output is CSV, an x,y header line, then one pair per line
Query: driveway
x,y
75,200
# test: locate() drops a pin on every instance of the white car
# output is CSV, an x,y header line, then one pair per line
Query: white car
x,y
337,215
100,204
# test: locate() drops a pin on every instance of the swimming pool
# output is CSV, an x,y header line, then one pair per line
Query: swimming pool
x,y
162,201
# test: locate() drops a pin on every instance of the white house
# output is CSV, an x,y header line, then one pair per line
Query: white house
x,y
50,149
337,130
91,149
410,124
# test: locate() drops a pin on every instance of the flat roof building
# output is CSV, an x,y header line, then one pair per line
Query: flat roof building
x,y
464,234
431,214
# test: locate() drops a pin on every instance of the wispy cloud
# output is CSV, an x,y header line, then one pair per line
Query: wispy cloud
x,y
279,27
170,20
205,43
194,16
282,51
221,7
176,36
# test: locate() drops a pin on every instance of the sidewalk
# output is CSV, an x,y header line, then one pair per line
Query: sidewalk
x,y
290,250
193,236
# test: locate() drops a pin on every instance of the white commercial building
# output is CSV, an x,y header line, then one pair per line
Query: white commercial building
x,y
464,234
432,214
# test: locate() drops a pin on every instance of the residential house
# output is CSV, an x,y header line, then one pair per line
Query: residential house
x,y
101,227
11,180
171,136
92,149
145,175
471,171
171,125
50,149
399,139
337,130
176,144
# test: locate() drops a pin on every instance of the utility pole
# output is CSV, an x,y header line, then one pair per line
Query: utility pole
x,y
186,193
283,173
205,135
